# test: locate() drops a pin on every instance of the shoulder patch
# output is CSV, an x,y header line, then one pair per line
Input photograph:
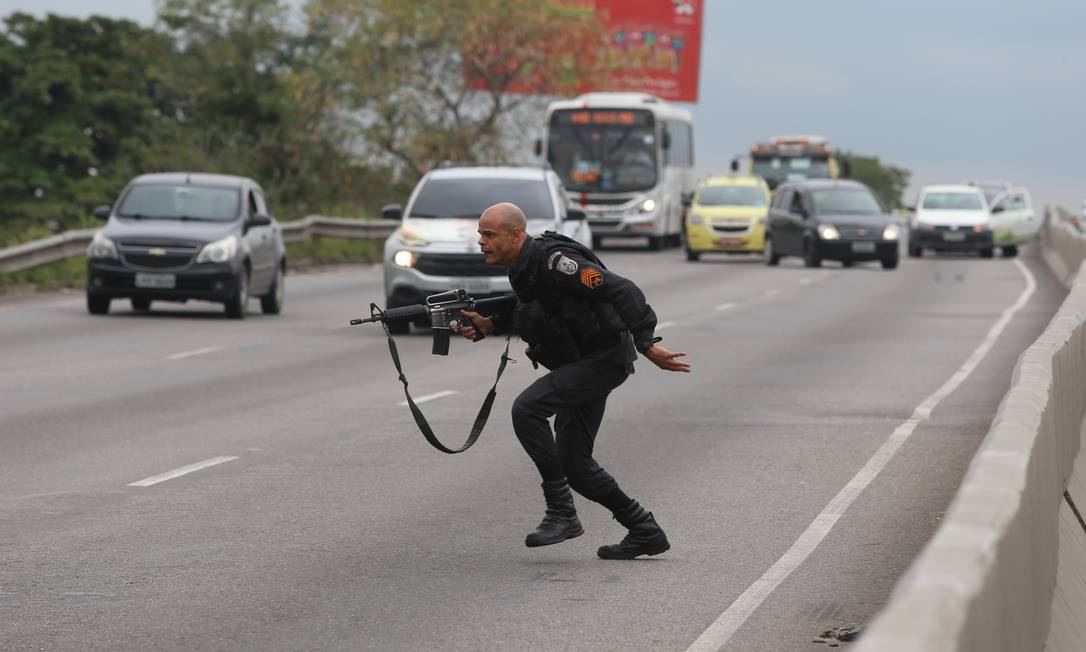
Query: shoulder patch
x,y
591,278
560,262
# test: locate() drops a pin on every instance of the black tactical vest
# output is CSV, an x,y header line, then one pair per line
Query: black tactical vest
x,y
559,327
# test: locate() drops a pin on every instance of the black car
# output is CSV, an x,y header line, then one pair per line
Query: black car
x,y
830,219
181,236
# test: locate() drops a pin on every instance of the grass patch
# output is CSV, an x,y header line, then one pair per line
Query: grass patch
x,y
316,251
70,273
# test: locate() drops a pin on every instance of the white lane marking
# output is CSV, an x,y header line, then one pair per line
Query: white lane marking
x,y
189,354
663,325
772,293
723,628
725,306
176,473
431,397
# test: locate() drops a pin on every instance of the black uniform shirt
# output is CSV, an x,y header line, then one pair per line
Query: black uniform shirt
x,y
569,272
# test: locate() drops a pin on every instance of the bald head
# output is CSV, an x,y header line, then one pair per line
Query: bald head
x,y
502,232
505,215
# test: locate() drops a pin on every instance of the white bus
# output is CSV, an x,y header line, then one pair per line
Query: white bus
x,y
627,159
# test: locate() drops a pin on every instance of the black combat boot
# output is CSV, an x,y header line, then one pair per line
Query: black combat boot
x,y
560,522
644,538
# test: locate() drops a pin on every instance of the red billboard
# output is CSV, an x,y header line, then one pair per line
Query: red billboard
x,y
654,46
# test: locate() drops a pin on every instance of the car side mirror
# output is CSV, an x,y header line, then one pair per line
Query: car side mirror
x,y
735,165
846,168
688,199
260,219
575,215
539,147
997,209
665,141
392,212
102,212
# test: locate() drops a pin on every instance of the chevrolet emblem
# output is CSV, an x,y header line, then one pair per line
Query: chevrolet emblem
x,y
156,251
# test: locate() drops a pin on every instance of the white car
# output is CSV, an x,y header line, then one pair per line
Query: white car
x,y
951,218
436,248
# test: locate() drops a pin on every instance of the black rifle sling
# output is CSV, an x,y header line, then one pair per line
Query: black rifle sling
x,y
424,427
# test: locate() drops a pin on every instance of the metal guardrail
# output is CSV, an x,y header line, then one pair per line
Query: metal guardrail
x,y
74,243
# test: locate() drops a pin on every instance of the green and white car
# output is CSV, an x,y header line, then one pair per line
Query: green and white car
x,y
1013,221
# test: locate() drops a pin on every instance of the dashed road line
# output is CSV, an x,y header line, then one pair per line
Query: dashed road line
x,y
725,306
431,397
184,470
724,627
189,354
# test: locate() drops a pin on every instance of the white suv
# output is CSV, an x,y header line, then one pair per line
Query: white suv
x,y
951,218
436,248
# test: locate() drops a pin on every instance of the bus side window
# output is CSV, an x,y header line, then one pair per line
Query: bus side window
x,y
680,154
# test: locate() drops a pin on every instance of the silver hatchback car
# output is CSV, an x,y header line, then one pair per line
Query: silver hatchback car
x,y
436,248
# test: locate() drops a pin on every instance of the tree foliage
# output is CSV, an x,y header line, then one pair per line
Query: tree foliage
x,y
888,181
427,81
80,104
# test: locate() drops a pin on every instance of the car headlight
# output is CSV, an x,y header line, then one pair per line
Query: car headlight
x,y
695,218
891,232
405,258
648,206
828,232
411,238
101,247
219,251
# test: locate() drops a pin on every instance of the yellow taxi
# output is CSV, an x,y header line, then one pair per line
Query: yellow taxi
x,y
727,214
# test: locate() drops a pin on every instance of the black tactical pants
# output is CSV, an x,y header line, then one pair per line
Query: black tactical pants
x,y
576,396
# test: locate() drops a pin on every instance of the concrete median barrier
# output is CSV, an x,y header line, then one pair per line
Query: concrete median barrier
x,y
1007,569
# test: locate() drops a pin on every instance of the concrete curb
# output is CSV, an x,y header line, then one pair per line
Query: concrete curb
x,y
995,577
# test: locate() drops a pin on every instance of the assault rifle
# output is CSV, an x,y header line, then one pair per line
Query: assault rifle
x,y
443,311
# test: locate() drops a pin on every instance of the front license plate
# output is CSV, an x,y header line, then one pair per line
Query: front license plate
x,y
863,247
729,241
954,236
156,281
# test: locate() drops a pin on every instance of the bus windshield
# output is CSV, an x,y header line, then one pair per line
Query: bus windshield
x,y
777,169
603,150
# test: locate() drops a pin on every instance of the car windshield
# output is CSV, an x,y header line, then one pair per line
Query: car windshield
x,y
953,201
181,202
467,198
731,196
836,201
777,169
603,150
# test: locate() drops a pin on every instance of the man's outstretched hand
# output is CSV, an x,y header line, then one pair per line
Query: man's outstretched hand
x,y
667,360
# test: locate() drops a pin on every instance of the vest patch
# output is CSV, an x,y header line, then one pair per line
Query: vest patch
x,y
591,278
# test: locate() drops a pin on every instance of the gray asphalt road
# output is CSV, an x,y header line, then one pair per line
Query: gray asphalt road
x,y
336,527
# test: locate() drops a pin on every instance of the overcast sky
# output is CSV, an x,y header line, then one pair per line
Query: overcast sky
x,y
950,89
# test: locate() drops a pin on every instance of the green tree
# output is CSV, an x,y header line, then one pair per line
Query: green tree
x,y
81,110
426,81
888,181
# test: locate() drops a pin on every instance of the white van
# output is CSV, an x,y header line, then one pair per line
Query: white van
x,y
951,218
